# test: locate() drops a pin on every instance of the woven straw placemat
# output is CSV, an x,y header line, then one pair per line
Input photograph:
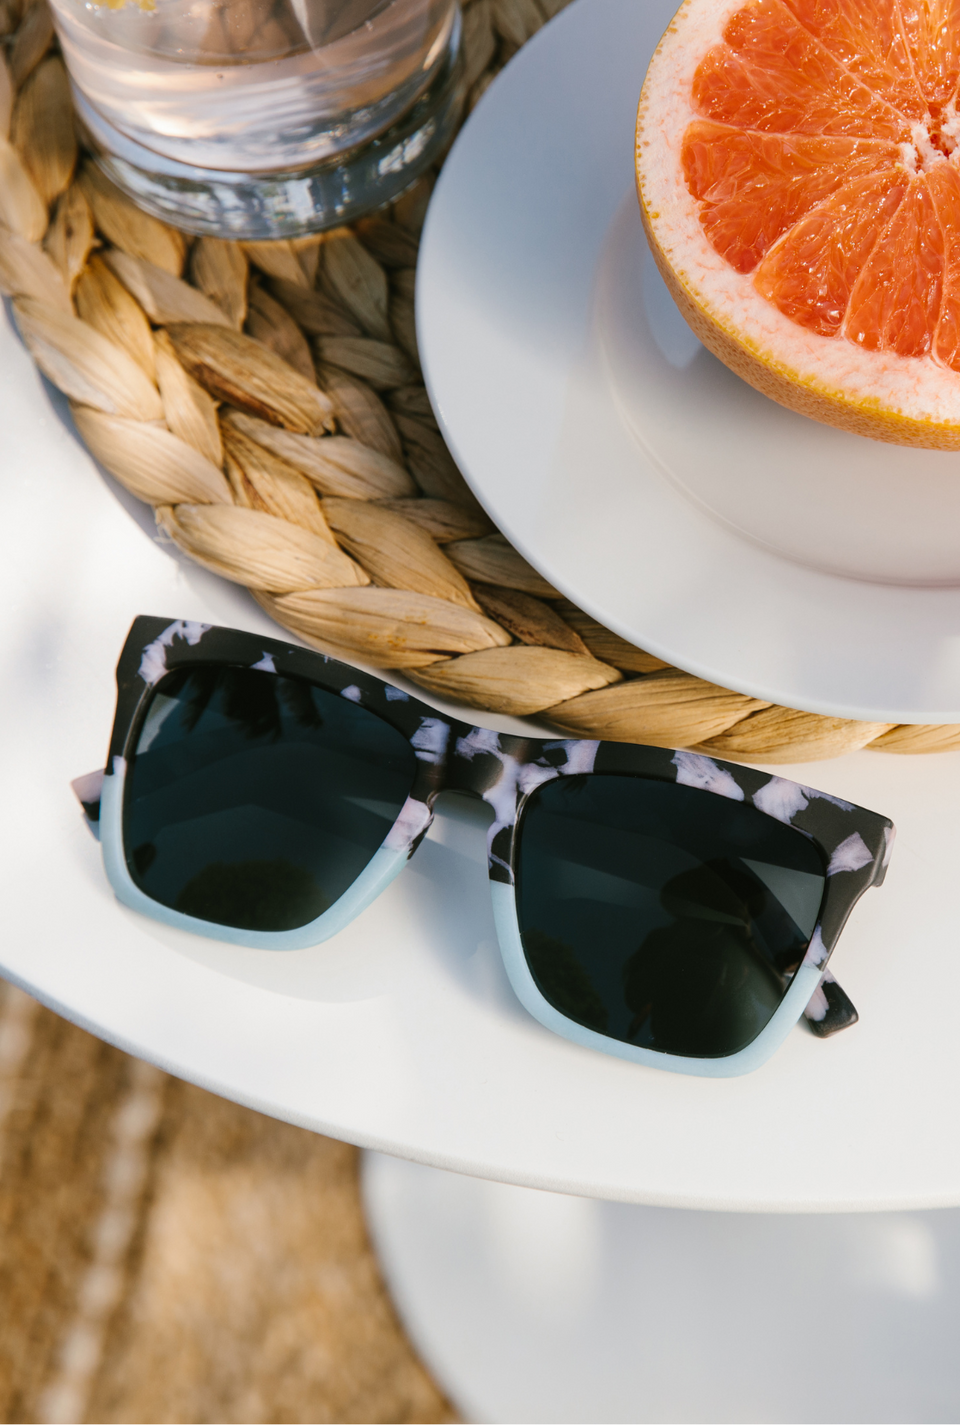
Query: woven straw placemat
x,y
266,399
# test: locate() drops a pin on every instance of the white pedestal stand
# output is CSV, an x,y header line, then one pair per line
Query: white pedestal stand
x,y
534,1306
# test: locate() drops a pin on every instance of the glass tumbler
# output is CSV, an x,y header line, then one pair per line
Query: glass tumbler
x,y
263,119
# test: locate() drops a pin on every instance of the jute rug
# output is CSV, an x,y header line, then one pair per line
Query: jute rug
x,y
168,1256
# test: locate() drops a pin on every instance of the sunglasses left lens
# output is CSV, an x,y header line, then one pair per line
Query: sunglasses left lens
x,y
255,800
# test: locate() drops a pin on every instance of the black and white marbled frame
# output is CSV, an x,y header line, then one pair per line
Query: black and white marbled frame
x,y
504,770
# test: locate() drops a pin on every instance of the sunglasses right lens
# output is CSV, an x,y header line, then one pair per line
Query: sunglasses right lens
x,y
256,800
662,915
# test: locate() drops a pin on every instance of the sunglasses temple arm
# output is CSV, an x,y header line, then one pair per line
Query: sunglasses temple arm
x,y
87,791
829,1010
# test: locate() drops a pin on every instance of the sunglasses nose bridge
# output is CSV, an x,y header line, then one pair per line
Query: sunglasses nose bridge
x,y
477,758
463,773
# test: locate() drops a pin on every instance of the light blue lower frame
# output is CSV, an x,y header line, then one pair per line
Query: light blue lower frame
x,y
375,877
788,1012
384,866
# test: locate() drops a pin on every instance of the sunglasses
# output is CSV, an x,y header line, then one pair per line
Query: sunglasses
x,y
661,906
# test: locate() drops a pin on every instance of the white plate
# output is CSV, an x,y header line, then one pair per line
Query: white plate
x,y
698,519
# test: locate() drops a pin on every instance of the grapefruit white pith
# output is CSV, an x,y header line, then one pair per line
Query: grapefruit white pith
x,y
798,166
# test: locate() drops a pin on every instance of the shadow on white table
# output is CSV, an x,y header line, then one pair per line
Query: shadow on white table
x,y
535,1306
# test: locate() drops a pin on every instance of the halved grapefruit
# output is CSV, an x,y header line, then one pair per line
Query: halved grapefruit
x,y
798,165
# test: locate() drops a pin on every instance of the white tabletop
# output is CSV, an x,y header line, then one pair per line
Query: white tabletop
x,y
403,1034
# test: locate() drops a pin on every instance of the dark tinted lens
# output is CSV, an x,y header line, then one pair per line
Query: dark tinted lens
x,y
663,915
255,800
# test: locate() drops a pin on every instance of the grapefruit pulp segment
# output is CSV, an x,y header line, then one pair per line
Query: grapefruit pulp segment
x,y
811,273
770,73
932,30
876,55
754,186
944,181
895,304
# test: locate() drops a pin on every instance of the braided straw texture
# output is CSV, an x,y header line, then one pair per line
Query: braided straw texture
x,y
266,399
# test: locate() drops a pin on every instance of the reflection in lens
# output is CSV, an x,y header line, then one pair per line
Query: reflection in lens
x,y
255,800
564,981
275,894
663,915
